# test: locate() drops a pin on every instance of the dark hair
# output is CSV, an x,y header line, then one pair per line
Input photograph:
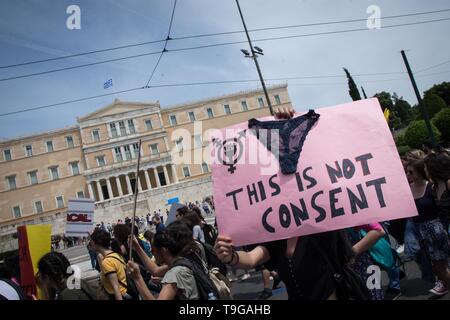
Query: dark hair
x,y
438,166
54,265
148,235
115,246
101,238
419,167
199,213
156,218
176,237
191,219
12,265
182,210
428,144
122,232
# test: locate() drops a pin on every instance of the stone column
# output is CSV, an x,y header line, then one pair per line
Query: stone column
x,y
158,183
166,175
108,185
127,178
174,173
147,179
138,181
119,186
91,191
99,190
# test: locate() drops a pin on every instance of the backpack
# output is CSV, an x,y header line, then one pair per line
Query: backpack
x,y
205,287
382,253
130,284
212,260
210,234
349,285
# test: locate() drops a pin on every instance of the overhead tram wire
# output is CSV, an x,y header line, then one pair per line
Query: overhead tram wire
x,y
213,34
165,45
222,44
201,83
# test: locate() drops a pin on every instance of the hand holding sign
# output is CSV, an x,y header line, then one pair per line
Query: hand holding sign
x,y
349,173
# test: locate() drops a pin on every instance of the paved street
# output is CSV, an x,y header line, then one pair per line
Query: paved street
x,y
412,286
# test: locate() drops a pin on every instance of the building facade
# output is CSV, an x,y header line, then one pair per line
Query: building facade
x,y
97,159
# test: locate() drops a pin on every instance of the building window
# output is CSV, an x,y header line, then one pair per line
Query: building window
x,y
148,124
173,120
38,207
17,212
210,113
127,152
261,102
179,145
227,109
198,140
96,135
29,150
191,116
136,149
49,146
69,140
100,161
154,148
123,130
118,154
80,194
277,99
33,177
131,127
205,167
186,172
75,168
244,105
59,202
113,128
11,182
7,155
54,173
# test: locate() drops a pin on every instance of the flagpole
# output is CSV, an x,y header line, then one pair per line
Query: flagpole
x,y
136,190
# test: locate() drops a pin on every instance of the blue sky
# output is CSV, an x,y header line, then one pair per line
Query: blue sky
x,y
35,30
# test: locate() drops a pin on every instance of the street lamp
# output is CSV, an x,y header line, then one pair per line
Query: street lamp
x,y
255,51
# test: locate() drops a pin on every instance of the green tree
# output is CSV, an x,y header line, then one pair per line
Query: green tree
x,y
417,133
400,140
433,104
402,109
385,100
442,121
442,90
352,88
394,121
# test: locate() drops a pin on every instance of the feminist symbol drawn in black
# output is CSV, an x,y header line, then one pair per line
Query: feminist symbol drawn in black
x,y
230,151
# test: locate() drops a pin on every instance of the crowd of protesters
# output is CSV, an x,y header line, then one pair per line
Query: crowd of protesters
x,y
188,260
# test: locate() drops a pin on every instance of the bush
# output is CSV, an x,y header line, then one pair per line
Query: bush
x,y
400,140
433,104
442,121
402,150
417,133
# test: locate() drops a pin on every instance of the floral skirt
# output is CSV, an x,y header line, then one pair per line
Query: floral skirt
x,y
433,239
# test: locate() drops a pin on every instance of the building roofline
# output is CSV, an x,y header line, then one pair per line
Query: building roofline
x,y
39,134
230,95
114,103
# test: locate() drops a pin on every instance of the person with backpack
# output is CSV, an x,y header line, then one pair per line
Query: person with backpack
x,y
53,278
184,279
209,232
112,276
362,239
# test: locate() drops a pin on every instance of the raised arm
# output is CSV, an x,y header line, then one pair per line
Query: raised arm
x,y
240,259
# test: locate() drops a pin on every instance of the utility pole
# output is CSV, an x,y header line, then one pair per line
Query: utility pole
x,y
419,99
254,56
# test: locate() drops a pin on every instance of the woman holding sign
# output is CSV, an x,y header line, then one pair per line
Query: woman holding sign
x,y
313,267
432,236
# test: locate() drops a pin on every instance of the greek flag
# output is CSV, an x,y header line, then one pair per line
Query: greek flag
x,y
107,84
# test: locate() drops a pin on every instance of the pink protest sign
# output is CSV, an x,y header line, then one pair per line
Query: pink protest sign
x,y
348,174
